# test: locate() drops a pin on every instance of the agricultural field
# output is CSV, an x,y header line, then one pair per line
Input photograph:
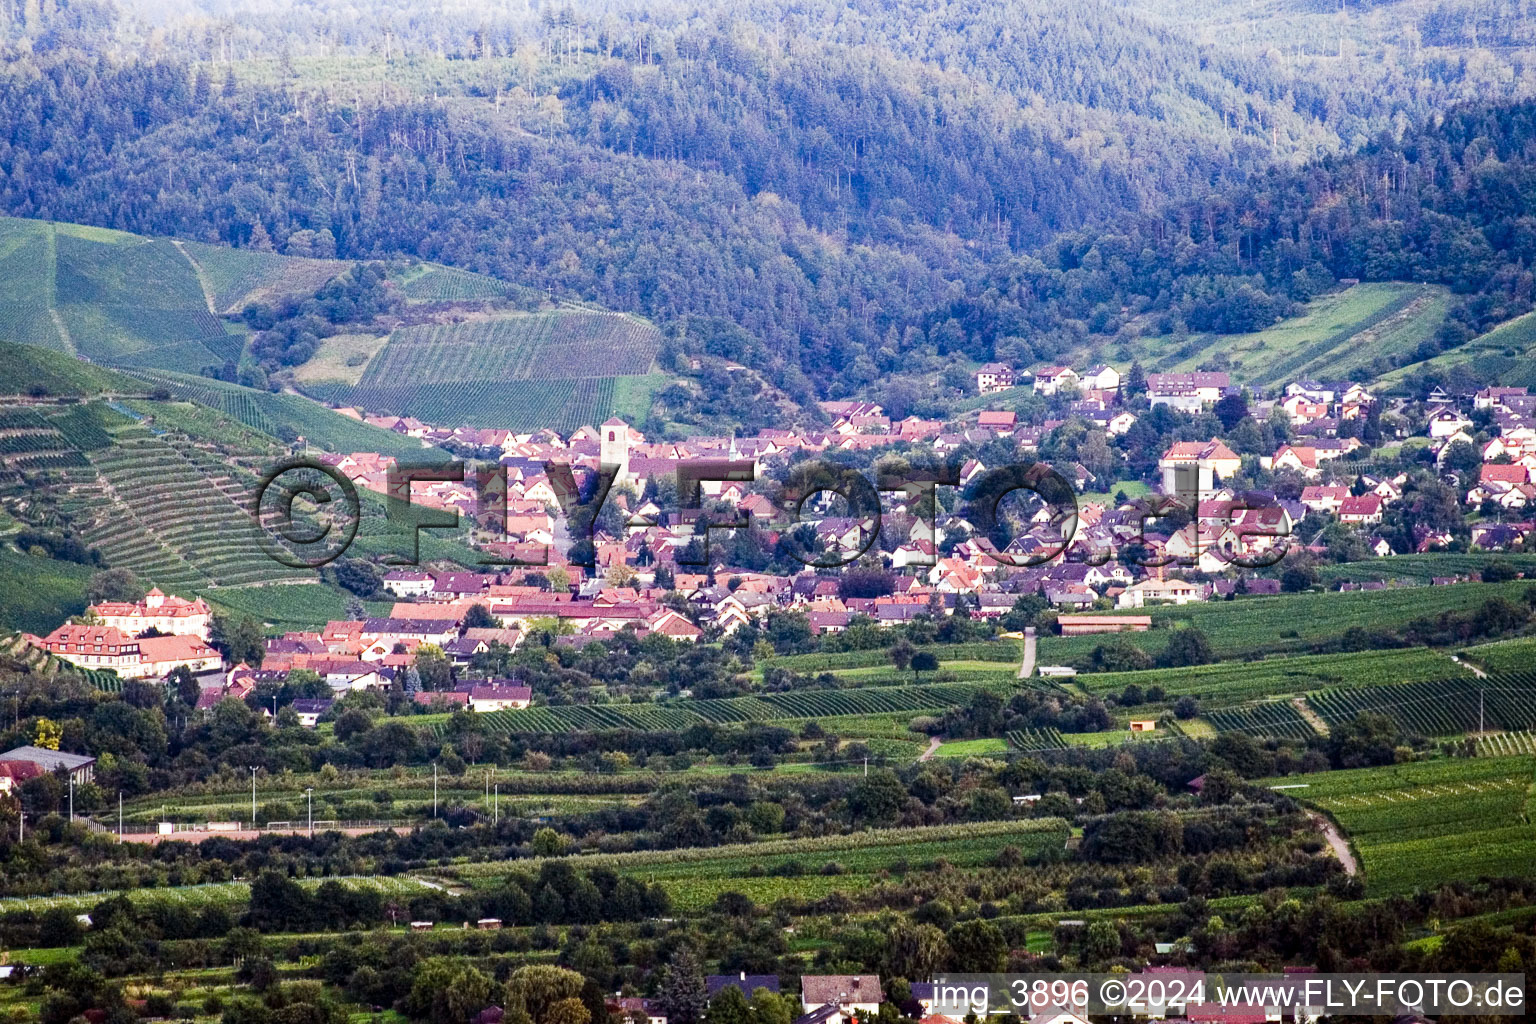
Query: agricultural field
x,y
299,607
24,368
1418,825
985,747
553,369
1420,569
227,894
1234,682
1287,623
1502,355
766,871
283,414
1337,335
1028,740
789,706
1447,707
172,522
423,283
340,359
999,650
1504,655
135,301
1276,719
36,592
234,278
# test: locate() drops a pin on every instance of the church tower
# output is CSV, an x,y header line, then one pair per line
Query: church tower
x,y
613,447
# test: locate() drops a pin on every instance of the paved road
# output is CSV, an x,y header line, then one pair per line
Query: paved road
x,y
1027,667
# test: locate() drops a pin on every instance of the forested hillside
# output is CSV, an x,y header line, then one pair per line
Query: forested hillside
x,y
854,187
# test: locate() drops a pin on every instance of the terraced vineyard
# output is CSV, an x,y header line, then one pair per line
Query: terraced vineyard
x,y
1447,707
170,522
264,411
1418,825
1036,739
1279,719
521,371
769,707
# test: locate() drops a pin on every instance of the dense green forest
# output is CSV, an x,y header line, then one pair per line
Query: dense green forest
x,y
865,191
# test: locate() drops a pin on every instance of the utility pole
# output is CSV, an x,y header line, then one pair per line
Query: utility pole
x,y
21,827
253,798
1480,691
310,793
71,796
119,814
496,805
866,767
434,789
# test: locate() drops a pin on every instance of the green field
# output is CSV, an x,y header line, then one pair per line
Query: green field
x,y
1336,335
788,706
972,748
1233,682
38,593
113,297
1502,355
229,894
1287,623
1418,825
237,277
294,415
694,877
1503,656
1422,568
304,606
27,369
525,371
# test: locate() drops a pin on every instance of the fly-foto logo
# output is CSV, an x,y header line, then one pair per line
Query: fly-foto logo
x,y
1028,512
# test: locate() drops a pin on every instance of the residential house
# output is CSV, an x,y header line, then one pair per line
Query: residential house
x,y
1101,377
746,983
498,696
994,377
1323,499
1154,591
309,709
1051,379
1447,422
80,767
1360,510
1202,462
847,992
408,583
